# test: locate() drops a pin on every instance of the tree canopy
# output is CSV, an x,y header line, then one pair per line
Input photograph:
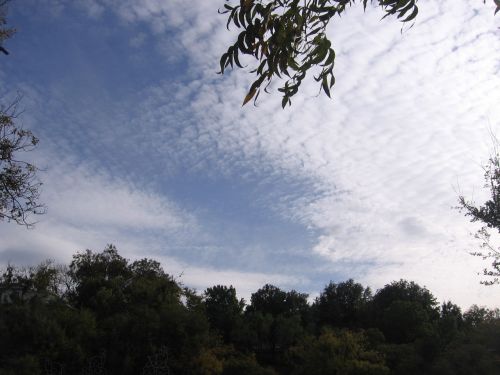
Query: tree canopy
x,y
105,314
344,304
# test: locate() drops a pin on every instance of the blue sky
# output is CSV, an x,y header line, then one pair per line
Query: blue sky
x,y
144,146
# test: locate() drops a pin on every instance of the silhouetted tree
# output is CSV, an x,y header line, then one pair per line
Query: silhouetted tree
x,y
451,321
272,300
343,305
19,185
118,317
5,32
405,311
277,318
224,310
489,216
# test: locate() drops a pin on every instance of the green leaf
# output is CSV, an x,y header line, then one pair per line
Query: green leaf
x,y
285,101
331,58
236,60
325,86
412,15
223,62
249,96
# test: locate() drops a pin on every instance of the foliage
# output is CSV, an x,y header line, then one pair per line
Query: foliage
x,y
278,320
5,32
475,350
343,305
405,311
19,185
451,322
489,215
272,300
477,315
497,3
287,38
344,352
104,314
223,309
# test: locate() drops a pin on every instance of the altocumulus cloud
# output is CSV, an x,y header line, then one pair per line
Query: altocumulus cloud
x,y
88,209
409,122
377,167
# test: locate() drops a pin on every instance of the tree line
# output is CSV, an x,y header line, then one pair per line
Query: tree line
x,y
104,314
287,38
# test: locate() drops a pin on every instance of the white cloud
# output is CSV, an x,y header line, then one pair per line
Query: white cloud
x,y
408,122
87,209
245,283
88,198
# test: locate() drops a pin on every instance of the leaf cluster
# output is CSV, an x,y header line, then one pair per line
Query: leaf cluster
x,y
489,215
5,32
288,38
19,185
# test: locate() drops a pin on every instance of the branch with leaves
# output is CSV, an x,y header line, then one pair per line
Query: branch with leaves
x,y
489,215
19,185
5,32
287,38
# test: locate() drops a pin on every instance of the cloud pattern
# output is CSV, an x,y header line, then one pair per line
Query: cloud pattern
x,y
371,176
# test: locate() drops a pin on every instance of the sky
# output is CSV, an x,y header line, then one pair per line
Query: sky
x,y
144,146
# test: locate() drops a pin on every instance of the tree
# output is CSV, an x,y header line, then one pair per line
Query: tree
x,y
450,321
138,309
123,317
288,38
19,185
5,32
476,316
405,311
278,319
272,300
223,309
343,304
343,352
489,215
